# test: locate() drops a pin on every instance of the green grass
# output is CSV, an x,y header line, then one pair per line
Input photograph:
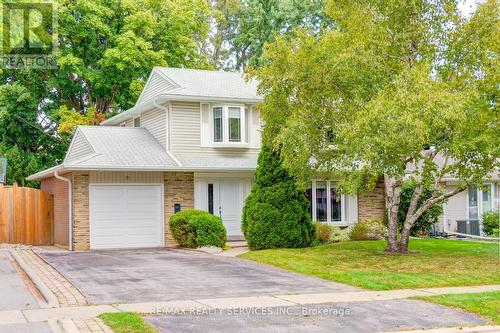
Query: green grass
x,y
433,263
485,304
127,322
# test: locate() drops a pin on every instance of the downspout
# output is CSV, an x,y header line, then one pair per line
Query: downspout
x,y
167,111
70,208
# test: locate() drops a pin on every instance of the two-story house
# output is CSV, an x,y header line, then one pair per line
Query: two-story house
x,y
191,141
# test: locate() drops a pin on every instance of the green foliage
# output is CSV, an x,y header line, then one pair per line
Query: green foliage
x,y
107,47
21,164
397,89
372,229
195,228
27,146
491,222
428,218
323,231
276,213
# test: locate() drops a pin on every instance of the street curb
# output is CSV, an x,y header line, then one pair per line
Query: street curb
x,y
50,298
68,326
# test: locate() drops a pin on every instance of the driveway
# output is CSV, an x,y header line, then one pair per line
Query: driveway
x,y
360,317
165,274
15,295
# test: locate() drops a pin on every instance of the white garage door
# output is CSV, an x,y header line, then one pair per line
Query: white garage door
x,y
126,216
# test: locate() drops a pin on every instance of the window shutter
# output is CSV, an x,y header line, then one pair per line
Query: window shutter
x,y
254,127
205,135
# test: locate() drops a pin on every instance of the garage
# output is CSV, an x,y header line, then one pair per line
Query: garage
x,y
125,216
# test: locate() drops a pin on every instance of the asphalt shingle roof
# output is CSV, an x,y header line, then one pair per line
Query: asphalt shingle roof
x,y
122,147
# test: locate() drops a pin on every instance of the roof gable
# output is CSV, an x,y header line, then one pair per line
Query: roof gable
x,y
156,84
78,148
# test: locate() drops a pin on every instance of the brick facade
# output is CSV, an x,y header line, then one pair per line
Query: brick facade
x,y
81,236
178,188
372,204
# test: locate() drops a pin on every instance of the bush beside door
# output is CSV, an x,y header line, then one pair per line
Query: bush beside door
x,y
26,216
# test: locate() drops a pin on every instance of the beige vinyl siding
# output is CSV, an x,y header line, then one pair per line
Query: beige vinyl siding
x,y
155,121
185,133
156,85
128,123
455,209
122,177
80,148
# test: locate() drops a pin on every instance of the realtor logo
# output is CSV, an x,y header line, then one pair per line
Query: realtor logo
x,y
29,34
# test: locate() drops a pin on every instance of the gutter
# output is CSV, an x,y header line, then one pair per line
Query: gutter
x,y
167,112
70,208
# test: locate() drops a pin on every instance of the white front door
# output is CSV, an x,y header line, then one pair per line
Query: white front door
x,y
126,216
231,205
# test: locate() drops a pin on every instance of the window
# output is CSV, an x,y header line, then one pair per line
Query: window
x,y
137,122
321,202
336,205
234,115
229,124
218,124
326,203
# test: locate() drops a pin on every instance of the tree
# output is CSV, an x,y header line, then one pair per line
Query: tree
x,y
276,213
428,218
241,28
107,48
23,142
398,90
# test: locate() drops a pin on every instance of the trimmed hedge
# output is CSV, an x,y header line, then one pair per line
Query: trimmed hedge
x,y
276,213
373,229
195,228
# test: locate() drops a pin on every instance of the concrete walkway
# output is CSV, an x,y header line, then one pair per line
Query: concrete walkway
x,y
76,312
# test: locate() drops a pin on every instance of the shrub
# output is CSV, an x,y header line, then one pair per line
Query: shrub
x,y
490,223
276,213
373,229
340,235
195,228
323,232
428,218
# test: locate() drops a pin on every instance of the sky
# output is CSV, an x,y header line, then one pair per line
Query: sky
x,y
467,6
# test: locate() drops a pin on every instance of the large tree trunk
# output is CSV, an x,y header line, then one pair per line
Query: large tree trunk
x,y
392,199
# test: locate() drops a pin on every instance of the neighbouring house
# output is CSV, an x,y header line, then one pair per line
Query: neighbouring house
x,y
191,141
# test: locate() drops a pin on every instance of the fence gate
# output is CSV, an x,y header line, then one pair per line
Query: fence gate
x,y
26,216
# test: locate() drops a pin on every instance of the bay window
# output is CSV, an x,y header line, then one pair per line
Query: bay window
x,y
326,203
229,124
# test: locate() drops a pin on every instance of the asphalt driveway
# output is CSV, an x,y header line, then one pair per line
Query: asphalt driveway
x,y
359,317
165,274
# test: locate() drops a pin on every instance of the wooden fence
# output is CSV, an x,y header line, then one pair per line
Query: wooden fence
x,y
26,216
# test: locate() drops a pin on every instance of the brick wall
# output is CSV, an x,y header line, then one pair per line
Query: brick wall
x,y
372,204
178,188
81,237
59,190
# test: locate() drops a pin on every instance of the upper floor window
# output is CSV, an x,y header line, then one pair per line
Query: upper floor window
x,y
229,124
137,122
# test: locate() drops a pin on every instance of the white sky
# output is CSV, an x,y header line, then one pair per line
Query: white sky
x,y
467,6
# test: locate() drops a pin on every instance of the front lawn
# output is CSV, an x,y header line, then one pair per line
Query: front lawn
x,y
434,263
485,304
127,322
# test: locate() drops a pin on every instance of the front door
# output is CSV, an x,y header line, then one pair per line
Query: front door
x,y
230,206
